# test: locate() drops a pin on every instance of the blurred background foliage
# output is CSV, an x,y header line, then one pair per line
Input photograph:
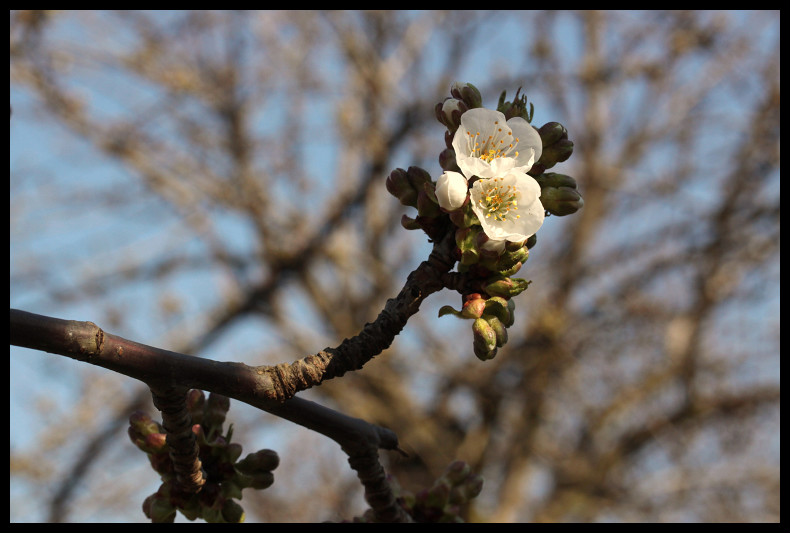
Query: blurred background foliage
x,y
213,183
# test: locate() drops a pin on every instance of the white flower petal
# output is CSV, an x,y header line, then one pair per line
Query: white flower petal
x,y
501,166
529,146
451,190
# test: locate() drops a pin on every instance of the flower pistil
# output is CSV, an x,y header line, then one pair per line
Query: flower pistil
x,y
494,146
498,200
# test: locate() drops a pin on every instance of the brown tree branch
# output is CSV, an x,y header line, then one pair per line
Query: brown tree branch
x,y
184,450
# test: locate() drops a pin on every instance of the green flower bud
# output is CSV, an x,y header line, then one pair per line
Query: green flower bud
x,y
468,93
160,511
551,132
558,194
399,186
232,512
562,201
418,177
498,307
262,480
499,329
556,153
262,460
484,340
554,180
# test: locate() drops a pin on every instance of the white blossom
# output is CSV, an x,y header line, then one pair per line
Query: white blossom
x,y
488,146
508,207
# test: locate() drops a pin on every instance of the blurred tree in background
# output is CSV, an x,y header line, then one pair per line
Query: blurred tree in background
x,y
213,183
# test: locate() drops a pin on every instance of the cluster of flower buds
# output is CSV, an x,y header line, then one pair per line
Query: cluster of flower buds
x,y
556,147
494,195
225,475
414,188
491,307
558,194
464,96
442,502
491,315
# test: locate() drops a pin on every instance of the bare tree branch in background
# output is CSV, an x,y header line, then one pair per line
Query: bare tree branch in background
x,y
247,154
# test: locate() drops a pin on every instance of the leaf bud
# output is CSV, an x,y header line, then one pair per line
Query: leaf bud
x,y
505,287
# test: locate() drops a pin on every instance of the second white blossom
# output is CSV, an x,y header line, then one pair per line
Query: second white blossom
x,y
508,207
